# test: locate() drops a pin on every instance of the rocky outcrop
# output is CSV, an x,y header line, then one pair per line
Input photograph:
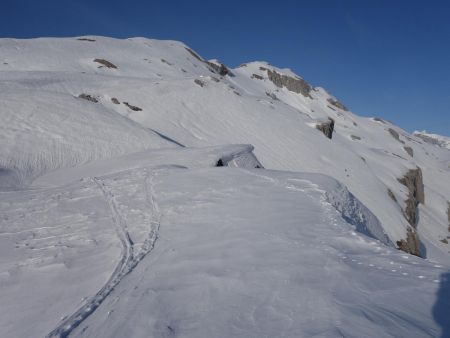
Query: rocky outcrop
x,y
88,97
134,108
106,63
395,135
412,244
414,182
296,85
272,96
213,65
114,100
326,127
219,68
200,82
337,104
256,76
409,150
448,215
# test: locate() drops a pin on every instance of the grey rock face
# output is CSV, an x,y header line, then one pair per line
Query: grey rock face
x,y
134,108
295,85
199,82
114,100
414,182
194,54
409,150
272,96
337,104
219,68
106,63
412,244
88,97
256,76
448,215
326,128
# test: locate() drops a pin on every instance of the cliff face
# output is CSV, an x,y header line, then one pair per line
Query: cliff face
x,y
296,85
414,182
326,128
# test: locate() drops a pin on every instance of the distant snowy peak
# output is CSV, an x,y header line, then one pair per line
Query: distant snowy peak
x,y
439,140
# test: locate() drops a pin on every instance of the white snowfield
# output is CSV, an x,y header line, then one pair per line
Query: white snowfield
x,y
131,204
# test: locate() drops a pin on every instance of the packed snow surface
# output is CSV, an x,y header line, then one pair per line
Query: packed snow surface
x,y
134,201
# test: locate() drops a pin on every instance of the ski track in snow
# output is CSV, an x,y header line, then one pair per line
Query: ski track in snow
x,y
127,262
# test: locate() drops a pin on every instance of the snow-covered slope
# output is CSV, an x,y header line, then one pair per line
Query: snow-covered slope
x,y
181,250
87,119
166,87
439,140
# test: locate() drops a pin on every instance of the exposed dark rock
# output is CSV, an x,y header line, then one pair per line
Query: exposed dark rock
x,y
445,241
414,182
337,104
243,65
215,67
354,137
219,163
412,244
166,62
391,195
326,127
183,70
263,68
85,39
409,150
106,63
200,82
256,76
114,100
132,107
448,215
88,97
237,93
215,79
194,54
296,85
272,96
219,68
331,108
395,135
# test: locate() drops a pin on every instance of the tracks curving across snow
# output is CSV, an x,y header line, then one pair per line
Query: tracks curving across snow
x,y
129,257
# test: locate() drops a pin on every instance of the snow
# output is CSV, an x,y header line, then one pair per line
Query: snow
x,y
440,140
114,220
237,252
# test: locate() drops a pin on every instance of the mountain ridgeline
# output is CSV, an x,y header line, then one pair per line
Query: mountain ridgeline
x,y
71,101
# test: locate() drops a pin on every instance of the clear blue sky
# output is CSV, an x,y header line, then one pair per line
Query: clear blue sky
x,y
388,58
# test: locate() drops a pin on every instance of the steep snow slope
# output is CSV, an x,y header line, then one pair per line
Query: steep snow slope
x,y
166,87
180,250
